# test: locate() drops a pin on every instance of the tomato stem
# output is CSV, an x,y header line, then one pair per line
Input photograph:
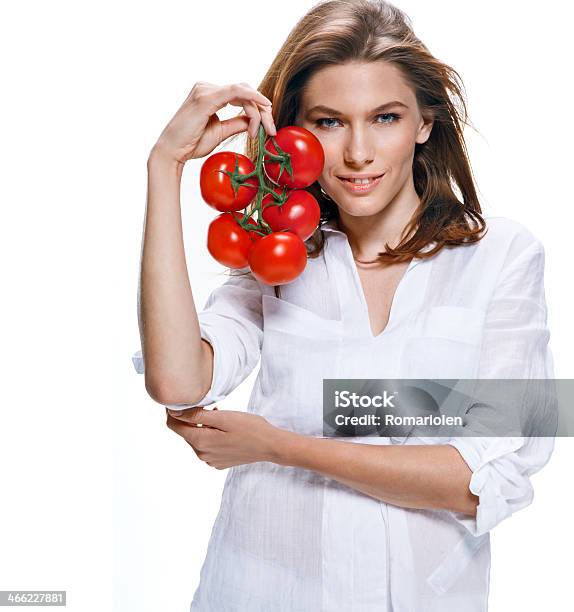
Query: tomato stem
x,y
279,199
277,158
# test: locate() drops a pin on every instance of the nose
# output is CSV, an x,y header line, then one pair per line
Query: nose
x,y
358,150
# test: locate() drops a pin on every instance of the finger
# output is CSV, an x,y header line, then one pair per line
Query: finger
x,y
176,426
199,416
259,97
188,432
184,414
252,111
236,94
236,125
267,120
201,439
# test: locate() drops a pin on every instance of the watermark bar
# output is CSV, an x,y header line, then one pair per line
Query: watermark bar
x,y
448,407
32,598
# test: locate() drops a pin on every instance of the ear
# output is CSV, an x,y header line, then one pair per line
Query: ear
x,y
425,129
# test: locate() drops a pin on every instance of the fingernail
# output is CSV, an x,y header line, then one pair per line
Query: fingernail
x,y
175,412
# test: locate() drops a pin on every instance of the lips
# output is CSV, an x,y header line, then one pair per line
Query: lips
x,y
359,188
361,180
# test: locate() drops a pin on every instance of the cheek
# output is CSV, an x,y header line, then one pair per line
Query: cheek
x,y
333,154
401,144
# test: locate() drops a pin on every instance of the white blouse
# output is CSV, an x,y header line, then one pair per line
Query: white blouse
x,y
288,539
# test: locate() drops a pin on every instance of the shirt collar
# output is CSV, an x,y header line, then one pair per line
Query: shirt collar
x,y
331,226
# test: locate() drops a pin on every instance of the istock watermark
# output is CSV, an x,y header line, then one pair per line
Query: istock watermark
x,y
448,407
344,399
393,419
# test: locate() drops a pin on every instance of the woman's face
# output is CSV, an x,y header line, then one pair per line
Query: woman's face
x,y
368,122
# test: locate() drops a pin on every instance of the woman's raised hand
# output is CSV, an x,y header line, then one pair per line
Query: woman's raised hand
x,y
195,129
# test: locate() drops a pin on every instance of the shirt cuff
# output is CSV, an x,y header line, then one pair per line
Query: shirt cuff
x,y
497,479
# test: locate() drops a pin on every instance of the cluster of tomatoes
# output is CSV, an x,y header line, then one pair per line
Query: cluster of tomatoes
x,y
272,244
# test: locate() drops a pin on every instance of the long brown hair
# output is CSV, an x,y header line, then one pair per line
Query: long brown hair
x,y
339,31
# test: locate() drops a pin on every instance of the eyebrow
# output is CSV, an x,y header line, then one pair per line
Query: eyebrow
x,y
335,113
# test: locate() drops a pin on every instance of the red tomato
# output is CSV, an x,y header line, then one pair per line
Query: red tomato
x,y
217,187
278,258
228,242
300,213
307,157
254,236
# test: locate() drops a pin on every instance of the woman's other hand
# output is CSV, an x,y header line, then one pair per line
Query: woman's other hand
x,y
226,437
195,129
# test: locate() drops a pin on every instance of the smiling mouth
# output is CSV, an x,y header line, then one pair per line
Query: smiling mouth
x,y
360,181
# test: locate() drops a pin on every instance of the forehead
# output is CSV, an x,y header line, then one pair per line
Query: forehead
x,y
357,86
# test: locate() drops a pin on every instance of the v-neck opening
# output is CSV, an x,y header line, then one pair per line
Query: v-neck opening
x,y
363,297
364,328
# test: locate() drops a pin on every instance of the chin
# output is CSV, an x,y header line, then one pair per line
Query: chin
x,y
361,208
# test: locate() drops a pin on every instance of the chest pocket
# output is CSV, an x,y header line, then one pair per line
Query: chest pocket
x,y
300,348
445,344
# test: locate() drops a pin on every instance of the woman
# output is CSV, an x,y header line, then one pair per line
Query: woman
x,y
402,281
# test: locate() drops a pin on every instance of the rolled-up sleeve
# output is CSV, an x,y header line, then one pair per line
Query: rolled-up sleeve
x,y
232,322
515,346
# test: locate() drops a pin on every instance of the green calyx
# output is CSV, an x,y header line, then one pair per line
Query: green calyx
x,y
237,179
283,158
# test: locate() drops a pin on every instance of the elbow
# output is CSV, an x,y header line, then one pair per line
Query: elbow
x,y
157,391
166,395
156,387
175,385
170,389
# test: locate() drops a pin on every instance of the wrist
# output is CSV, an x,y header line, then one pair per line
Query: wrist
x,y
159,159
282,446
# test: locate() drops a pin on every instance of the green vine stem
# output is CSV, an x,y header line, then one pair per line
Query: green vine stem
x,y
263,189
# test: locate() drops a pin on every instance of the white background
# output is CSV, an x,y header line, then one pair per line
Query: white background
x,y
98,496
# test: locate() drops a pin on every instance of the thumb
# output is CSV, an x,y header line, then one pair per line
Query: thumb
x,y
235,125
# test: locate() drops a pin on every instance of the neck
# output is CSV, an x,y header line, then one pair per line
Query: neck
x,y
368,235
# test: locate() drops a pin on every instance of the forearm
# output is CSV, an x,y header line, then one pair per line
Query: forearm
x,y
412,476
175,356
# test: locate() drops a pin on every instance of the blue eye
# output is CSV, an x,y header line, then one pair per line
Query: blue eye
x,y
320,123
393,115
323,121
